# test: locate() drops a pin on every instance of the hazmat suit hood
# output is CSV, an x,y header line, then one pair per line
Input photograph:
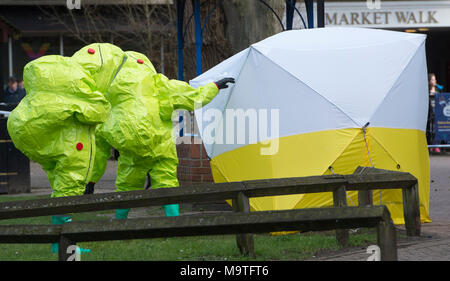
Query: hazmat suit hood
x,y
103,61
133,82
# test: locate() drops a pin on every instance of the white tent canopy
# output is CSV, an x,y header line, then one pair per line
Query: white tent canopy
x,y
326,78
344,97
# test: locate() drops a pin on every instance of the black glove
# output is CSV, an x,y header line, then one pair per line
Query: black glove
x,y
222,84
89,188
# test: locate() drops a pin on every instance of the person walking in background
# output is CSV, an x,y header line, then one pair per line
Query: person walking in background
x,y
433,87
13,94
21,84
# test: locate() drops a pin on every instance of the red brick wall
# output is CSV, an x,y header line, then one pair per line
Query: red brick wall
x,y
193,166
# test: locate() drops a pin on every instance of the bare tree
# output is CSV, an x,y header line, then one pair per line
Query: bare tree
x,y
251,21
149,29
132,26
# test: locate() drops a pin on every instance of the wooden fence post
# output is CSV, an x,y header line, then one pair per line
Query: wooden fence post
x,y
365,197
244,241
64,252
411,210
340,200
387,241
411,203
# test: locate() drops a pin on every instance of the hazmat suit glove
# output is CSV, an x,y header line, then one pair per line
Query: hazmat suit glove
x,y
222,84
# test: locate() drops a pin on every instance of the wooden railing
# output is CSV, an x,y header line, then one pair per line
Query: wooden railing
x,y
241,222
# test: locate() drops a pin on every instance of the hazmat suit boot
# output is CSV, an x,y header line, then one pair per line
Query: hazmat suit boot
x,y
122,214
171,210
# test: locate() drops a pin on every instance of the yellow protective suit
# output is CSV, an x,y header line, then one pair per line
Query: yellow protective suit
x,y
54,124
140,125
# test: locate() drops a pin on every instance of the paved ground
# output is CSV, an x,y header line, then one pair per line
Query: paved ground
x,y
433,245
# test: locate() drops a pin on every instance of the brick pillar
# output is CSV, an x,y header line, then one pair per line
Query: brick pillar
x,y
193,166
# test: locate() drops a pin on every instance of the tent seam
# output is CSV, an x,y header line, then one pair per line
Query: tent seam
x,y
382,146
231,92
343,150
226,104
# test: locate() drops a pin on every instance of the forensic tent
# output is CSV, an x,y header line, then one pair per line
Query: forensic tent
x,y
321,101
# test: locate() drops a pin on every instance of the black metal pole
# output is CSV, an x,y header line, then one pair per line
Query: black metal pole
x,y
290,13
320,13
310,12
180,37
198,37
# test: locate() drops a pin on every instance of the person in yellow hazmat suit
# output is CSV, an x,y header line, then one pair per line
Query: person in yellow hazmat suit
x,y
140,127
54,125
